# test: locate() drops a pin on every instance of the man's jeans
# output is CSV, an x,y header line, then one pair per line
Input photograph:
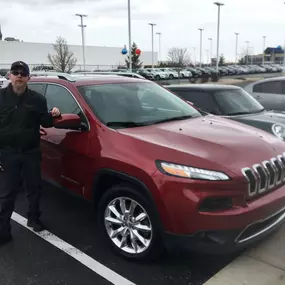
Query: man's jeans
x,y
18,167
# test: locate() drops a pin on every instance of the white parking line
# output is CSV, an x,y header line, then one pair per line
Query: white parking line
x,y
86,260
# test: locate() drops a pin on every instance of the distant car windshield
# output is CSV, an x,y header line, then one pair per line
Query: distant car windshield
x,y
135,104
236,102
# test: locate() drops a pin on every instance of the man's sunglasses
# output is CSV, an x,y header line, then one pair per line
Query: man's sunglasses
x,y
16,73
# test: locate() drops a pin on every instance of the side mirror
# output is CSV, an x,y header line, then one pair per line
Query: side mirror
x,y
67,121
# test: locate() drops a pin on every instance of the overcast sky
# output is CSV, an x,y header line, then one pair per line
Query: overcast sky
x,y
177,20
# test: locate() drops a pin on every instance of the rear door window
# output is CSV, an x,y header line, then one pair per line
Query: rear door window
x,y
272,87
38,87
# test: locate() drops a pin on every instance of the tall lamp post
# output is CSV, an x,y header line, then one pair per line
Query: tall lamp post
x,y
211,50
159,44
201,43
207,58
130,36
284,54
219,4
284,51
247,42
82,35
237,34
263,56
194,56
152,25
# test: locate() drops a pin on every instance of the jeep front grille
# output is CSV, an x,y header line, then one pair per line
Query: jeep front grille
x,y
265,176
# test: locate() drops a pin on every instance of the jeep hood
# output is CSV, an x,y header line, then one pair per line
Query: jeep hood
x,y
207,142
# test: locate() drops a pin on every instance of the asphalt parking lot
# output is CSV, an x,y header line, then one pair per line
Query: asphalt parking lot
x,y
32,259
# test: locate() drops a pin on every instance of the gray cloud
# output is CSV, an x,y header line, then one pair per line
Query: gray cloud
x,y
177,20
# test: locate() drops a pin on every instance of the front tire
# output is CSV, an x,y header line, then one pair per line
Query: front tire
x,y
129,223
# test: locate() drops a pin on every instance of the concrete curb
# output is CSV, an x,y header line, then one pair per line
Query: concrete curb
x,y
263,265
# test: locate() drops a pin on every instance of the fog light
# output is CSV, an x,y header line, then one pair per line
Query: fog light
x,y
213,204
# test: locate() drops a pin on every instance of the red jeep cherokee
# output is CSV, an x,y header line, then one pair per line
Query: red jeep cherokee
x,y
157,171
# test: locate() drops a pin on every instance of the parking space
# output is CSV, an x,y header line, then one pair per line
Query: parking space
x,y
32,259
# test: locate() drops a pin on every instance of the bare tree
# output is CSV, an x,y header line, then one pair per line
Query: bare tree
x,y
63,60
178,57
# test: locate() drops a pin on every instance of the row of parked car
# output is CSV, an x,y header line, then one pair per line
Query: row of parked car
x,y
200,167
198,72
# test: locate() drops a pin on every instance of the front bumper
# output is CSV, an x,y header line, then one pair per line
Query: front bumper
x,y
237,225
227,241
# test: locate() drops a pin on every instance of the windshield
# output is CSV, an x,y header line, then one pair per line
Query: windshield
x,y
236,102
135,104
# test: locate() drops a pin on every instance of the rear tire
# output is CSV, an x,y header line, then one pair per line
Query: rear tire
x,y
118,209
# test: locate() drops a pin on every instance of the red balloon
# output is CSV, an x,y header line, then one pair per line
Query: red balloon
x,y
138,51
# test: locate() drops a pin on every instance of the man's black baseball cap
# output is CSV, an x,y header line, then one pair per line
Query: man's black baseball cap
x,y
20,64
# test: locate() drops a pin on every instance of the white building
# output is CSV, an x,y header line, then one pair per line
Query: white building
x,y
35,54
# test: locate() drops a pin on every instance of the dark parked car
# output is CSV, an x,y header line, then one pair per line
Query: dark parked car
x,y
232,102
146,74
158,171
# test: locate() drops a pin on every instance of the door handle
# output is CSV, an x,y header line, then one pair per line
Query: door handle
x,y
43,132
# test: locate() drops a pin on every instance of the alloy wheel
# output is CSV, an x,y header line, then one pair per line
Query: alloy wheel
x,y
128,225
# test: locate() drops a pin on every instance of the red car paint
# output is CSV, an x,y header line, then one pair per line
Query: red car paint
x,y
72,159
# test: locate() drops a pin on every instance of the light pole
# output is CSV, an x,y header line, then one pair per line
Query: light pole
x,y
219,4
211,50
152,25
82,35
237,34
207,58
201,42
159,44
130,36
247,42
263,57
194,57
284,51
284,54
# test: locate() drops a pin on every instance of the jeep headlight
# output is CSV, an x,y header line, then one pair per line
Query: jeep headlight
x,y
191,172
279,131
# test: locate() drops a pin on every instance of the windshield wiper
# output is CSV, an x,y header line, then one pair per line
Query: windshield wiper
x,y
180,118
238,113
126,124
245,113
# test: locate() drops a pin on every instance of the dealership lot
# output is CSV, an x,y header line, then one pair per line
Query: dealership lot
x,y
30,259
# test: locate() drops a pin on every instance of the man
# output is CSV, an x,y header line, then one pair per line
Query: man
x,y
22,112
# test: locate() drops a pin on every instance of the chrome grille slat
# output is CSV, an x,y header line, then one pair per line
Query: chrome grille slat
x,y
282,163
278,169
265,176
249,175
262,175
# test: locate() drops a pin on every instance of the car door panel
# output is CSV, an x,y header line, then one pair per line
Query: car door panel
x,y
65,150
49,156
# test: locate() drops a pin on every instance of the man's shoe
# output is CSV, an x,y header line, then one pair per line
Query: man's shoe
x,y
36,224
6,239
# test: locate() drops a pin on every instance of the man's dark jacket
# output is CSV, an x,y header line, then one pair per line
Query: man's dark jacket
x,y
20,119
